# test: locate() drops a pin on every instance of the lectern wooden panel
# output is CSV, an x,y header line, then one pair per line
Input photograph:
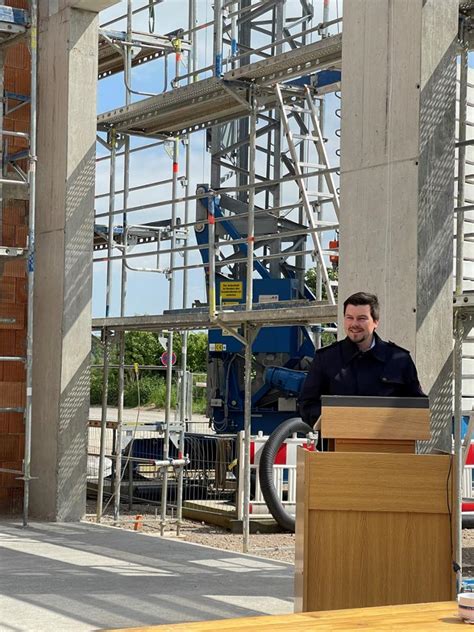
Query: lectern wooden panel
x,y
373,523
372,530
375,424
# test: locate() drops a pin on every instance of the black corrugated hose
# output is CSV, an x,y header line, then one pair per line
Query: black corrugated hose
x,y
265,470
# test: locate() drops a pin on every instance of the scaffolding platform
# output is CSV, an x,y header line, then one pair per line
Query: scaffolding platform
x,y
13,23
303,313
145,48
216,100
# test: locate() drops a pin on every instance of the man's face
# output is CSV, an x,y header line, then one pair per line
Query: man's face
x,y
359,324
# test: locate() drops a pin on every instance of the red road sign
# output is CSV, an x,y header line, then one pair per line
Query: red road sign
x,y
165,356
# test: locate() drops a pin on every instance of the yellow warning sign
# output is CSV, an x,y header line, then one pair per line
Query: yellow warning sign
x,y
217,346
231,289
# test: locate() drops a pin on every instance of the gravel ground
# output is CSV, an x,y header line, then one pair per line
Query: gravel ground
x,y
277,546
468,552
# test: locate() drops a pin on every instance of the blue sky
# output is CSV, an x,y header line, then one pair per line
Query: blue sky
x,y
148,292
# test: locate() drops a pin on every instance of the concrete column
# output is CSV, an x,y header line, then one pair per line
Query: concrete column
x,y
63,274
397,178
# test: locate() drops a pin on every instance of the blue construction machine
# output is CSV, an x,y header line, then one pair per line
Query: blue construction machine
x,y
281,355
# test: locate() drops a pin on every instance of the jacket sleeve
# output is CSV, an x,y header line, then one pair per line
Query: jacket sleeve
x,y
310,396
412,384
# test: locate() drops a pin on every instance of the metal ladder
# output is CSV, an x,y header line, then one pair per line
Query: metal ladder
x,y
301,169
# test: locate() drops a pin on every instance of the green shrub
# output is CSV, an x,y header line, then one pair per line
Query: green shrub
x,y
146,386
96,387
159,394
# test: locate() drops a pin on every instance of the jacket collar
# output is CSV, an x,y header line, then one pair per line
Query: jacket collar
x,y
350,349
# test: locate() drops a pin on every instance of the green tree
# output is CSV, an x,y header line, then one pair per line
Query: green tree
x,y
145,349
197,352
310,280
142,347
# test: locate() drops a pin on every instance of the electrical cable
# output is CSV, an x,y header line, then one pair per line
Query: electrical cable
x,y
455,564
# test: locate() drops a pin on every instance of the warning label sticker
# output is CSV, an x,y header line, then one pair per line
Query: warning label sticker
x,y
218,346
231,289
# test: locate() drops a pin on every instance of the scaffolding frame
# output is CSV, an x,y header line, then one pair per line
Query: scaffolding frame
x,y
18,25
236,89
238,95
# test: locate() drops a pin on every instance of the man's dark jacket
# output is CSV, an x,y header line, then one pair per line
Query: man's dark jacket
x,y
386,370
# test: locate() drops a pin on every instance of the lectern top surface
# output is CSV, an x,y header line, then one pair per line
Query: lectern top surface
x,y
358,401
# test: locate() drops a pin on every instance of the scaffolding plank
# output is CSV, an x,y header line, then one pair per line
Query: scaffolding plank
x,y
145,48
175,320
210,101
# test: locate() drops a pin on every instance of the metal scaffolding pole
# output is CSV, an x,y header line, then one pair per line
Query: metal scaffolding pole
x,y
239,26
31,256
108,299
123,287
459,325
185,404
248,335
217,38
169,366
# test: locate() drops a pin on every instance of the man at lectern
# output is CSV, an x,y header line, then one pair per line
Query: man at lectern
x,y
361,364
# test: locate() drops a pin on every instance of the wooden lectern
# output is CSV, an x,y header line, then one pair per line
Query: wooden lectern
x,y
373,519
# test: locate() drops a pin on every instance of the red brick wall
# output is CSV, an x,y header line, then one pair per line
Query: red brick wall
x,y
13,289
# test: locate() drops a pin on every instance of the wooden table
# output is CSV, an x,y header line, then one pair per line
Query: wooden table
x,y
426,616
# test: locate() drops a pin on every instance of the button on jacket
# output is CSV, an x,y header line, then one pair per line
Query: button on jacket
x,y
385,370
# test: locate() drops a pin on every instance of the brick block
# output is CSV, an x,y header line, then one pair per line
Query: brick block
x,y
17,4
8,234
22,82
12,394
21,291
20,343
8,290
16,422
11,481
12,316
17,57
11,423
4,424
10,447
15,268
8,343
14,372
14,214
21,235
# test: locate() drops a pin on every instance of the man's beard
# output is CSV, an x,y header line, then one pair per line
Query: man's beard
x,y
359,336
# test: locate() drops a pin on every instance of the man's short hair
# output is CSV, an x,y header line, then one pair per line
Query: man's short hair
x,y
364,298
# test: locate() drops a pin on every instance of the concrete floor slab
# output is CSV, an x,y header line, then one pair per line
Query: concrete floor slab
x,y
83,576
